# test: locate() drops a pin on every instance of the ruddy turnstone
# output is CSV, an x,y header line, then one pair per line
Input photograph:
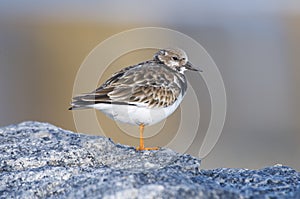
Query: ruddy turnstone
x,y
143,94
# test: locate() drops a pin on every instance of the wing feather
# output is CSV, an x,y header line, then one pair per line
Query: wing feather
x,y
147,85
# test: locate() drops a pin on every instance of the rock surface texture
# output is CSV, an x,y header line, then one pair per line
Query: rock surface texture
x,y
39,160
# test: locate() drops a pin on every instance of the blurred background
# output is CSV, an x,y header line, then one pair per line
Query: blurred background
x,y
255,44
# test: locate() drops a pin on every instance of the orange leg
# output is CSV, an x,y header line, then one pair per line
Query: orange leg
x,y
142,146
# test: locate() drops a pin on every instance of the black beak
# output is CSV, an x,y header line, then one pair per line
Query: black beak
x,y
189,66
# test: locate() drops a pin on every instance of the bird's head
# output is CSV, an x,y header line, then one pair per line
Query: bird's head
x,y
176,59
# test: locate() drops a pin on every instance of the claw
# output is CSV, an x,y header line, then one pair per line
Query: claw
x,y
146,148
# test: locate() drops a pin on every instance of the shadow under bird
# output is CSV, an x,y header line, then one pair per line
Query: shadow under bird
x,y
142,94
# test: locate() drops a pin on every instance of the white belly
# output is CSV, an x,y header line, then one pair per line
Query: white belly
x,y
137,115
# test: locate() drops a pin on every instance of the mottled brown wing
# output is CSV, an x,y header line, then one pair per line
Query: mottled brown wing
x,y
150,86
147,84
154,97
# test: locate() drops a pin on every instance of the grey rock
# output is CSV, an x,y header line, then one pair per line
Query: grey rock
x,y
39,160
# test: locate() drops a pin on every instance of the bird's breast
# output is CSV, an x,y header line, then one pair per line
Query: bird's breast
x,y
136,115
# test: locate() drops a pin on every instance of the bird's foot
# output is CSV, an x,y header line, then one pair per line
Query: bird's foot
x,y
146,148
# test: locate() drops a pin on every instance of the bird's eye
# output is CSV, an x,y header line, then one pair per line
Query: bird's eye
x,y
175,58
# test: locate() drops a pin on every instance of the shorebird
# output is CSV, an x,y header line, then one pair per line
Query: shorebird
x,y
143,94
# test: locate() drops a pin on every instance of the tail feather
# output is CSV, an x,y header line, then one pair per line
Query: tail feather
x,y
75,107
79,103
86,101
